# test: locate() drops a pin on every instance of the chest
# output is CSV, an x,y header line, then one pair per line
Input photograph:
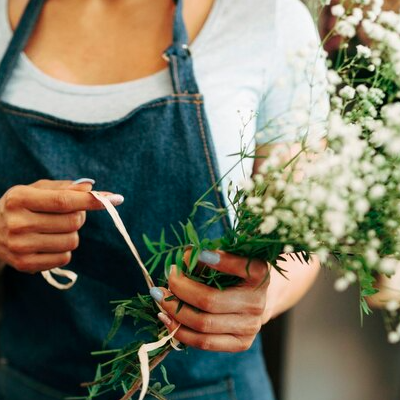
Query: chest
x,y
103,42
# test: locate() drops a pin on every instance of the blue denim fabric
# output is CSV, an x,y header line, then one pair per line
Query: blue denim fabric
x,y
161,158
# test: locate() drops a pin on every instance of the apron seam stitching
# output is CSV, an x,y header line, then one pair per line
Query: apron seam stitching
x,y
89,128
176,74
208,159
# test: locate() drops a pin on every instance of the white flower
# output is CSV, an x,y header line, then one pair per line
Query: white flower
x,y
394,147
377,191
333,77
319,195
392,40
362,89
397,67
359,186
389,18
382,136
288,249
337,102
247,184
352,20
268,225
285,216
376,61
391,114
322,254
351,277
264,167
347,93
392,305
377,6
341,284
362,207
269,204
280,184
345,29
371,256
393,337
363,51
336,223
379,160
338,10
388,266
371,16
358,14
253,201
373,30
259,179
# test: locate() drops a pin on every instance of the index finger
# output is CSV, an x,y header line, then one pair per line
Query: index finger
x,y
59,201
254,271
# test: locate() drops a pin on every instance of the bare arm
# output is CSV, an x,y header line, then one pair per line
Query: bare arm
x,y
229,320
389,289
284,292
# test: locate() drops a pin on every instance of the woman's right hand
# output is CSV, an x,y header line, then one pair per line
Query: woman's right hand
x,y
39,223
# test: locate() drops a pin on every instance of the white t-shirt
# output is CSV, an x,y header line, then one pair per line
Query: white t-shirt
x,y
244,65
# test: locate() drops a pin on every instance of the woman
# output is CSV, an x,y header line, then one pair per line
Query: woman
x,y
89,90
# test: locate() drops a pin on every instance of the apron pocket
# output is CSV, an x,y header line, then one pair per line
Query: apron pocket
x,y
224,390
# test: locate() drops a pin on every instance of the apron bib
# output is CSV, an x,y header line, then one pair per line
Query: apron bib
x,y
161,158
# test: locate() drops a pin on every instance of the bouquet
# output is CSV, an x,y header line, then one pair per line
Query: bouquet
x,y
336,198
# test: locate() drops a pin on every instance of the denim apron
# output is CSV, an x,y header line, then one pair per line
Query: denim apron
x,y
161,158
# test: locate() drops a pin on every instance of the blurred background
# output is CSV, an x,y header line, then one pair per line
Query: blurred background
x,y
319,350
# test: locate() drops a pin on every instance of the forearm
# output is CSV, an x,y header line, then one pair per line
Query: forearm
x,y
284,292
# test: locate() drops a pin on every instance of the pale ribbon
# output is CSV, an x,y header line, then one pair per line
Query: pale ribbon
x,y
145,348
72,276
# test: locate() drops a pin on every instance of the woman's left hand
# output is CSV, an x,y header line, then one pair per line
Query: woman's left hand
x,y
228,320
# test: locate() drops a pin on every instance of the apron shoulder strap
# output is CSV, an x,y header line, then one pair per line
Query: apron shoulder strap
x,y
19,40
179,56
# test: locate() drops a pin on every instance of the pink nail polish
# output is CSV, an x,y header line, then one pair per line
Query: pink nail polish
x,y
164,319
116,199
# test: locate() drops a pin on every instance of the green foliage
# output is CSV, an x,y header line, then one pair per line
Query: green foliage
x,y
123,370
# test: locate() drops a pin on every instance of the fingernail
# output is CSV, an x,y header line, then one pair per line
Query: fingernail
x,y
116,199
157,294
84,180
164,319
171,270
209,257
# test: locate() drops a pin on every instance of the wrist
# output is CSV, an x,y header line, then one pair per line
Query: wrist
x,y
285,291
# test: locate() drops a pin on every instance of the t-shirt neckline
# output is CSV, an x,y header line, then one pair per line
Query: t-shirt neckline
x,y
63,86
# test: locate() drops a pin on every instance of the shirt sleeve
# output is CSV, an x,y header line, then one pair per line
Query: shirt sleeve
x,y
295,102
